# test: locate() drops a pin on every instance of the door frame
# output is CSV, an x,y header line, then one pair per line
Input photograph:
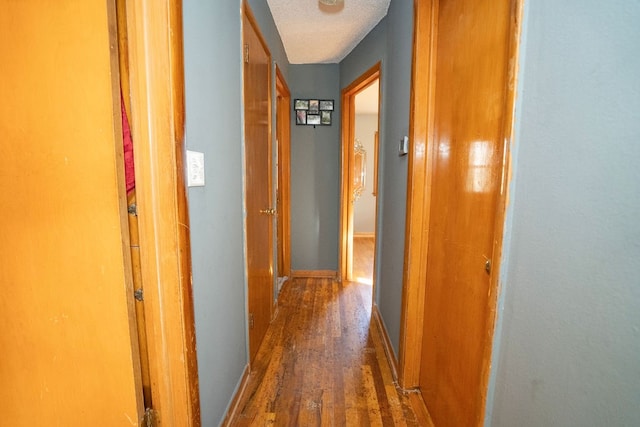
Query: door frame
x,y
419,190
283,199
157,115
348,96
252,21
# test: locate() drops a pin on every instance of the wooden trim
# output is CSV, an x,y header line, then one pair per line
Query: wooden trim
x,y
323,274
246,9
376,152
157,104
386,341
418,192
234,407
284,169
420,409
502,202
364,234
345,256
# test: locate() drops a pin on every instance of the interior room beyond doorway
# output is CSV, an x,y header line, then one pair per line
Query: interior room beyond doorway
x,y
365,189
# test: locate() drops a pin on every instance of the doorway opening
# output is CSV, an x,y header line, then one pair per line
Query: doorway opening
x,y
365,191
361,106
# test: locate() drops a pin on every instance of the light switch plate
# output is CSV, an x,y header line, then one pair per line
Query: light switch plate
x,y
195,169
403,147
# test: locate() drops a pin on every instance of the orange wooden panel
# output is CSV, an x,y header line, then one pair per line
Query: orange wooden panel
x,y
68,336
259,224
154,34
471,77
283,135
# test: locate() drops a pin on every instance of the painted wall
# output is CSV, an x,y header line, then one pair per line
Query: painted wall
x,y
390,42
365,207
369,51
315,172
396,82
568,348
269,32
213,87
213,90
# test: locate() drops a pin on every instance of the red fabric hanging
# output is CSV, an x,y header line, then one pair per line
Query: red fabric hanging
x,y
129,170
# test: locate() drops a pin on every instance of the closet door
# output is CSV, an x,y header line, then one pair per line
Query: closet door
x,y
69,355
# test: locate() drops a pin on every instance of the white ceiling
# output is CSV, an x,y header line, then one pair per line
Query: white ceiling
x,y
313,33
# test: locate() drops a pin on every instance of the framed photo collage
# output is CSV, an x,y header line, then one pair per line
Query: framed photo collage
x,y
313,112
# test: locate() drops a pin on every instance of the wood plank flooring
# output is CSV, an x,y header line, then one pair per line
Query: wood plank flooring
x,y
363,249
321,364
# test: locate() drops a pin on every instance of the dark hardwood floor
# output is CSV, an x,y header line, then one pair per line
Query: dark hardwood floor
x,y
322,363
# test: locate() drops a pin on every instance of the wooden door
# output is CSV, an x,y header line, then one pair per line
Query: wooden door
x,y
470,107
69,351
283,132
260,211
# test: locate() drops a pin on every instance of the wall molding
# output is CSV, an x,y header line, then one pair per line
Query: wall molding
x,y
234,406
386,342
329,274
364,234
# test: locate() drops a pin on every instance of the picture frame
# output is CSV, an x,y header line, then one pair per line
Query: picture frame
x,y
301,117
313,112
326,105
313,119
325,118
301,104
314,106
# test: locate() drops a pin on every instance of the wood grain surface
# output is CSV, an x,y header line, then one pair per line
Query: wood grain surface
x,y
321,364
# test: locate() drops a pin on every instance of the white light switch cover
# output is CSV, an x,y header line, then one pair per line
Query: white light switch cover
x,y
195,169
403,147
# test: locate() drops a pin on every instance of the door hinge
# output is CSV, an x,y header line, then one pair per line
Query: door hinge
x,y
133,209
149,419
246,53
139,294
251,322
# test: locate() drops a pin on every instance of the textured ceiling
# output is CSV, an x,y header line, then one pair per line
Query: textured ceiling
x,y
313,33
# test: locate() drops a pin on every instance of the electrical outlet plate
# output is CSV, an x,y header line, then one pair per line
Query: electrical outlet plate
x,y
195,169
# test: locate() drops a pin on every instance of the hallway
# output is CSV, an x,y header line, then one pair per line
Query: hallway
x,y
322,364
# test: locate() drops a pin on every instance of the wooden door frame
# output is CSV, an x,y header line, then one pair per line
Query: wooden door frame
x,y
246,11
283,136
157,116
345,258
419,190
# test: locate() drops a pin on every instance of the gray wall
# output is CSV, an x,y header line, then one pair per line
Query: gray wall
x,y
315,172
396,93
569,343
213,90
369,52
391,42
269,32
213,121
